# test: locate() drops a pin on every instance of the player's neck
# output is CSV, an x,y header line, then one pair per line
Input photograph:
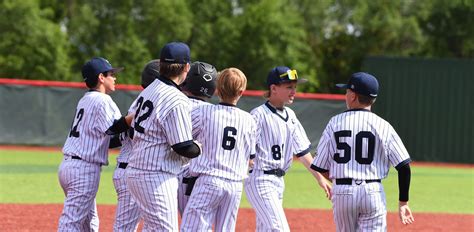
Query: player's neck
x,y
100,88
360,106
276,104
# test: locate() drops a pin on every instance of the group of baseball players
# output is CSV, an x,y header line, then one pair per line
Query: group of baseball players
x,y
181,155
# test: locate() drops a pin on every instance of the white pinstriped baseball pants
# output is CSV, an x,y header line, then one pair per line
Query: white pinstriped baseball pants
x,y
155,192
213,200
359,207
80,182
127,214
265,194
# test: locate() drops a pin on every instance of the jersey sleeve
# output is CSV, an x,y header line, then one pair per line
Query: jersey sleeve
x,y
107,113
177,124
321,162
301,144
397,153
258,129
196,121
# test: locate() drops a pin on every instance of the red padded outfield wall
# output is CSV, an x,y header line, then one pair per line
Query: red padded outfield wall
x,y
36,112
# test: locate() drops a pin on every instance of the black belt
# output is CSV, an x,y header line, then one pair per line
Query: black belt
x,y
123,165
74,157
348,181
277,172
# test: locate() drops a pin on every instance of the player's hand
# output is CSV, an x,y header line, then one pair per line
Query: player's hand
x,y
406,217
326,186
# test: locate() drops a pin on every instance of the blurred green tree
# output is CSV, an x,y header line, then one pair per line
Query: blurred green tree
x,y
449,30
271,35
32,46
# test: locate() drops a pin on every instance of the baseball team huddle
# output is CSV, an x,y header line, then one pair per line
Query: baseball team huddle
x,y
182,156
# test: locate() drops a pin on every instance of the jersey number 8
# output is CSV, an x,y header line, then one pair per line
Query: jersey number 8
x,y
346,155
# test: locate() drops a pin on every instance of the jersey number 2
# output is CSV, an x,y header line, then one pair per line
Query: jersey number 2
x,y
346,155
74,132
148,105
228,142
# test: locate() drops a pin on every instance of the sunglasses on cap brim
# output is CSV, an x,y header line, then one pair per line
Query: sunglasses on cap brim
x,y
292,75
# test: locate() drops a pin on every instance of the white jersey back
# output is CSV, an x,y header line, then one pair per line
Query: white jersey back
x,y
360,145
227,135
162,119
279,137
95,113
193,102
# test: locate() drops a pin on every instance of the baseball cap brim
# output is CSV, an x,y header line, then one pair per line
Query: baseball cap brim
x,y
116,70
343,86
301,80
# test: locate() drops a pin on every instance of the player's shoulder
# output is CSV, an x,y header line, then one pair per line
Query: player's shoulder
x,y
95,98
260,110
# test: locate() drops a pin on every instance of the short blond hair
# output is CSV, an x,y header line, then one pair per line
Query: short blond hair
x,y
230,82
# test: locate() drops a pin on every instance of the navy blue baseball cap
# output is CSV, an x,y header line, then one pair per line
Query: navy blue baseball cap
x,y
97,65
362,83
282,74
175,52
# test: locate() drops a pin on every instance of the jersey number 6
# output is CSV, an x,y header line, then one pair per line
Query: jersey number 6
x,y
346,156
228,142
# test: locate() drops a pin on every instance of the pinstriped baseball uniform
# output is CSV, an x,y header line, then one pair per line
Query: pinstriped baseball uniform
x,y
85,151
162,119
280,136
357,148
228,138
127,213
182,198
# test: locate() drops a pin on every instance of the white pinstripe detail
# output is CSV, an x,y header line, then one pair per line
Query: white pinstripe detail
x,y
360,207
99,114
80,178
155,194
221,167
168,124
182,198
80,182
265,192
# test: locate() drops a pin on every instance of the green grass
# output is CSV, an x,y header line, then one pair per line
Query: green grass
x,y
31,177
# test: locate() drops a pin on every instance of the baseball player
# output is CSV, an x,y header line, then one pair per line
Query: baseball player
x,y
228,138
280,137
127,213
199,86
356,150
86,147
162,136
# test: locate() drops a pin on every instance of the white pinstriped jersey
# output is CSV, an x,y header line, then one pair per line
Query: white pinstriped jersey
x,y
227,135
95,113
194,102
126,148
162,119
360,145
279,137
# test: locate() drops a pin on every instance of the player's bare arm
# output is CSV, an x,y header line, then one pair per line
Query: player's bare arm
x,y
326,185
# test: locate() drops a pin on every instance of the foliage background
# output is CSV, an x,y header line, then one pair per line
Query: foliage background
x,y
325,40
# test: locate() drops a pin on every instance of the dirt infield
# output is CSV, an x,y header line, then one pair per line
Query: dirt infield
x,y
44,217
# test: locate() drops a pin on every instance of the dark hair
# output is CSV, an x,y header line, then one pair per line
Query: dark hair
x,y
171,69
92,82
365,100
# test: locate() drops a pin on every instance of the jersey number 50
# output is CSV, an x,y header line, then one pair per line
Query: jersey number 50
x,y
346,155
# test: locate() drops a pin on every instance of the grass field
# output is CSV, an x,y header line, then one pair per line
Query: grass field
x,y
31,177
